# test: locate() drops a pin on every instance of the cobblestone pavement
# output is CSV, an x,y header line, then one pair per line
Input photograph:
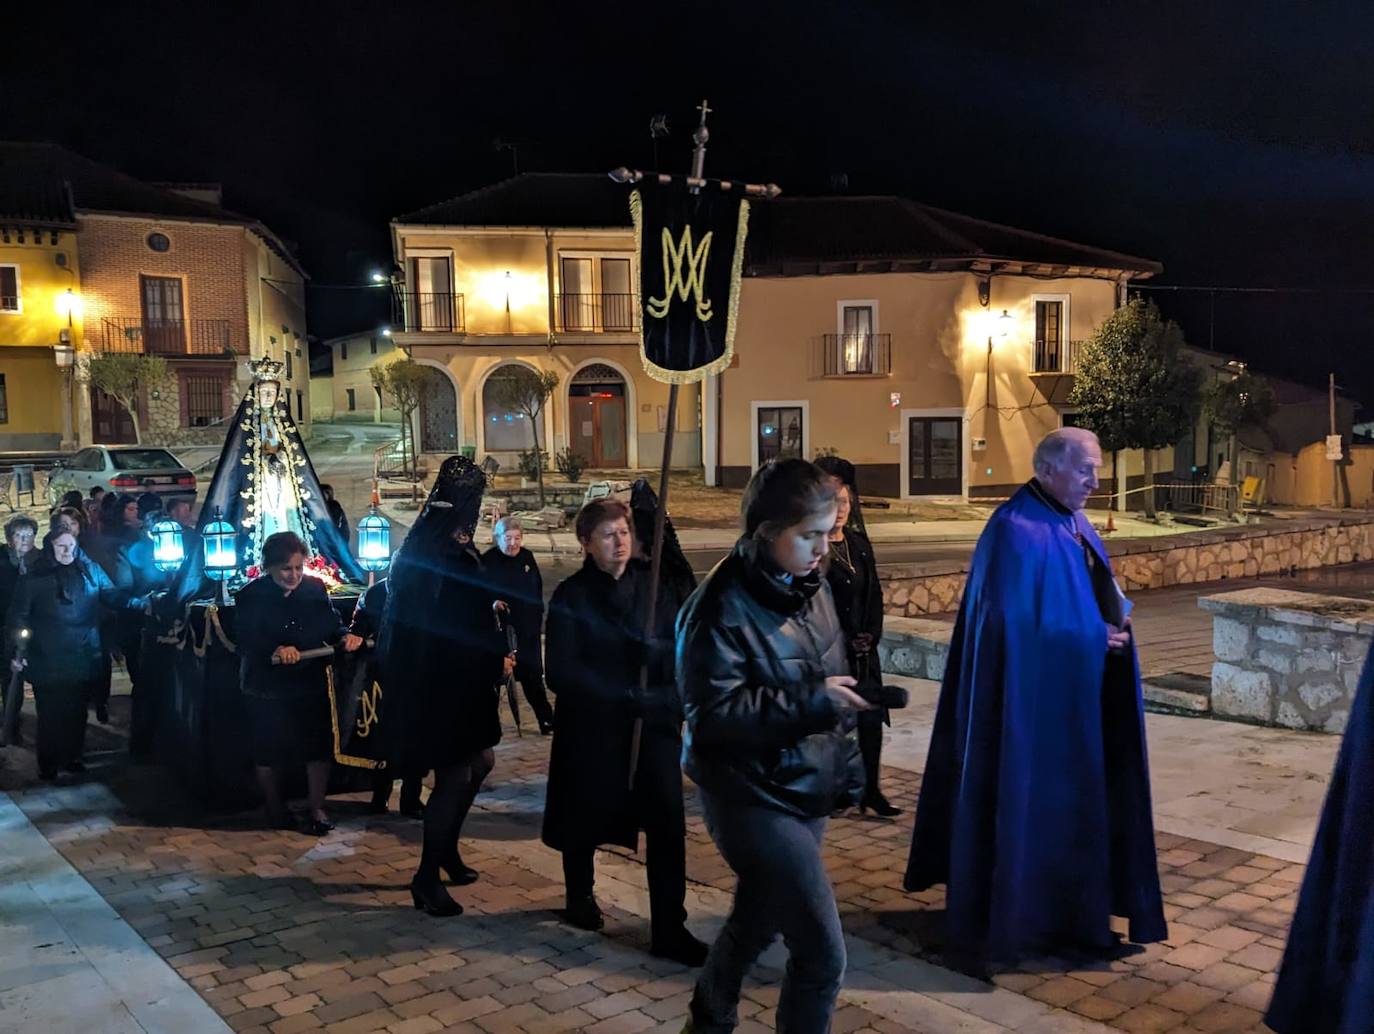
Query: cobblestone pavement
x,y
281,933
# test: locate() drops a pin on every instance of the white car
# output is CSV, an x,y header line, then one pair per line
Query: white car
x,y
131,469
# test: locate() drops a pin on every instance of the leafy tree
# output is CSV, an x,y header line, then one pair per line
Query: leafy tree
x,y
1233,405
403,381
522,390
124,376
1134,387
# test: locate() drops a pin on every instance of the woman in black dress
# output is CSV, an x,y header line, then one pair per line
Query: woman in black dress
x,y
277,616
441,658
60,601
853,577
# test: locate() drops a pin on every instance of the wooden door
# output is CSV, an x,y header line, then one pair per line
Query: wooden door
x,y
164,317
935,456
110,422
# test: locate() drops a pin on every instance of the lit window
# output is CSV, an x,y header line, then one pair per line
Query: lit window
x,y
9,288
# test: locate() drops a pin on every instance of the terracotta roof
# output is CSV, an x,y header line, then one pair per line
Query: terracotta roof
x,y
41,180
791,235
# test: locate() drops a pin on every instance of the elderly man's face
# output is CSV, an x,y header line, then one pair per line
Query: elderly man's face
x,y
1075,479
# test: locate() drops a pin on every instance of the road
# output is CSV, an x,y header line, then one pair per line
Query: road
x,y
342,457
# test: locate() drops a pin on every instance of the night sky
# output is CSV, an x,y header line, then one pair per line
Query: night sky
x,y
1234,142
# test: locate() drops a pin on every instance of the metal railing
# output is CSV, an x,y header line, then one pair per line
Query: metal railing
x,y
165,337
439,312
1056,356
856,355
1205,498
598,313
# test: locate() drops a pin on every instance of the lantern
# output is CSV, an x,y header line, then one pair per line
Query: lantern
x,y
374,541
169,549
221,560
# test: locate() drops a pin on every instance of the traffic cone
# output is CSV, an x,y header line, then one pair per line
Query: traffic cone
x,y
1111,524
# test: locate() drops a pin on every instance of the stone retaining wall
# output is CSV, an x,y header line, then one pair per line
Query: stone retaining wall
x,y
912,590
1288,658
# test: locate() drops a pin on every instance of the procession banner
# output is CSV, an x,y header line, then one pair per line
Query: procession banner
x,y
355,702
691,253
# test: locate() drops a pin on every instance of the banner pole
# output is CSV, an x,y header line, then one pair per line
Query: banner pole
x,y
699,139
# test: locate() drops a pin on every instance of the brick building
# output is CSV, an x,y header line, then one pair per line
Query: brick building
x,y
166,270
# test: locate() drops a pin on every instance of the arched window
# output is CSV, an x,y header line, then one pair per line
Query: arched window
x,y
504,430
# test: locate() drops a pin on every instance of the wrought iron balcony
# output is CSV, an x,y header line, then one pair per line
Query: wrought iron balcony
x,y
598,313
166,337
856,355
1060,357
435,312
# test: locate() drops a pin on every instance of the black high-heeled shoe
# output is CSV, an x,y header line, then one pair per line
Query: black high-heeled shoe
x,y
457,872
433,900
879,805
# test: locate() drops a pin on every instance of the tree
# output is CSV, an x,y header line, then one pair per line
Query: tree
x,y
1232,405
403,381
1134,387
125,376
522,390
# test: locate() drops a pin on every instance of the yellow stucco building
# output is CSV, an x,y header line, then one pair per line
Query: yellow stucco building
x,y
931,349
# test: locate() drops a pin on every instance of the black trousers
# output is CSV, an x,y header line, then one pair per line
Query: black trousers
x,y
871,747
61,709
658,801
531,679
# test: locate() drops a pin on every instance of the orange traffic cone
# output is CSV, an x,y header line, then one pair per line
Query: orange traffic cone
x,y
1111,524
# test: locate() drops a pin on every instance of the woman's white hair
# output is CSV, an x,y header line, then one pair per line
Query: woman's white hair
x,y
505,524
1057,448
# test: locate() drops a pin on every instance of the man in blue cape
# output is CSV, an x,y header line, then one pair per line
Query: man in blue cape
x,y
1035,803
1326,984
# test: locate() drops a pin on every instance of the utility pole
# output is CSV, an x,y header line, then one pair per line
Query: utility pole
x,y
1333,446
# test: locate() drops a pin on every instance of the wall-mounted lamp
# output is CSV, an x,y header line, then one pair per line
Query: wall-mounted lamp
x,y
984,290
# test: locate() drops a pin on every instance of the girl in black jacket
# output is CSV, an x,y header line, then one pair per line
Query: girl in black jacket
x,y
60,602
762,665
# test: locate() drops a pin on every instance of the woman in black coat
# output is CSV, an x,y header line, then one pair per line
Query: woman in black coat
x,y
277,616
14,559
61,602
763,668
515,575
596,648
441,658
853,577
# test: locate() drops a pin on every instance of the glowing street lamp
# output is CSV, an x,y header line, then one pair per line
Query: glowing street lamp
x,y
169,549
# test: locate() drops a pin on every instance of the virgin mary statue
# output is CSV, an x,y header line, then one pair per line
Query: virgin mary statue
x,y
264,483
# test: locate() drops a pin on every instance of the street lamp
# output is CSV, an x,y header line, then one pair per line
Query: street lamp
x,y
378,278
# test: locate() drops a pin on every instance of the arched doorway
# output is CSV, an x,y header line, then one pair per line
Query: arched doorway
x,y
438,413
596,416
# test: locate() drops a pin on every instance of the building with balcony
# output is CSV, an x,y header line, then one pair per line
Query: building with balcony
x,y
932,349
165,269
540,271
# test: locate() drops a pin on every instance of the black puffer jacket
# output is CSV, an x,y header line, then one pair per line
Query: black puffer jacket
x,y
753,655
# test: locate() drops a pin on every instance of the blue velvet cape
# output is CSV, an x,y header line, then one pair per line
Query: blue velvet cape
x,y
1326,984
1035,803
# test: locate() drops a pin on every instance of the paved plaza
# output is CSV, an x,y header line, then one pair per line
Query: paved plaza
x,y
120,901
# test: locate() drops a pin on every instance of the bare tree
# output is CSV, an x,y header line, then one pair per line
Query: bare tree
x,y
526,391
124,376
403,381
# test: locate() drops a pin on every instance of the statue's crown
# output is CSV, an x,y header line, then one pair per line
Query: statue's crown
x,y
265,368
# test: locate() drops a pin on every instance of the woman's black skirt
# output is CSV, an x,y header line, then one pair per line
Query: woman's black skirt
x,y
291,730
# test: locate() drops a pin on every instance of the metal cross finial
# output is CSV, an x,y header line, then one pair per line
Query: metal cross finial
x,y
704,111
699,138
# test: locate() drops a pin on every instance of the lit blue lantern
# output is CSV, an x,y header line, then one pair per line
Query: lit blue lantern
x,y
374,541
169,550
221,558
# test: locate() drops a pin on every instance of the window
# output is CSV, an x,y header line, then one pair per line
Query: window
x,y
343,351
4,401
1051,346
779,430
433,301
858,324
144,459
288,366
503,429
9,288
596,293
352,399
300,404
372,343
159,242
204,399
164,326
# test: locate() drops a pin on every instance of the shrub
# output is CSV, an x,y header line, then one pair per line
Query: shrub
x,y
570,464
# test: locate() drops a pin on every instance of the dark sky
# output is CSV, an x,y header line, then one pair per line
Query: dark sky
x,y
1234,142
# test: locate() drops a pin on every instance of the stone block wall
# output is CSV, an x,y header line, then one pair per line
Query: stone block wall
x,y
918,647
1288,658
911,590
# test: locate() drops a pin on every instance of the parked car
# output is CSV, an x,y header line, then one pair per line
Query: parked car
x,y
131,469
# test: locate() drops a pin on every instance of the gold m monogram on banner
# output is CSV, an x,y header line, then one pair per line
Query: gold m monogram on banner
x,y
687,282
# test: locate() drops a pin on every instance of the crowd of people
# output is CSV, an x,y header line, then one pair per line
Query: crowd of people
x,y
762,683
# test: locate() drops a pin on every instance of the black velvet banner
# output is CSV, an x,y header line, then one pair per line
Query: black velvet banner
x,y
691,252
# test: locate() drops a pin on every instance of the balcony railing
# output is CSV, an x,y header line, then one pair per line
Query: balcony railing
x,y
856,355
166,337
1056,356
598,313
436,312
